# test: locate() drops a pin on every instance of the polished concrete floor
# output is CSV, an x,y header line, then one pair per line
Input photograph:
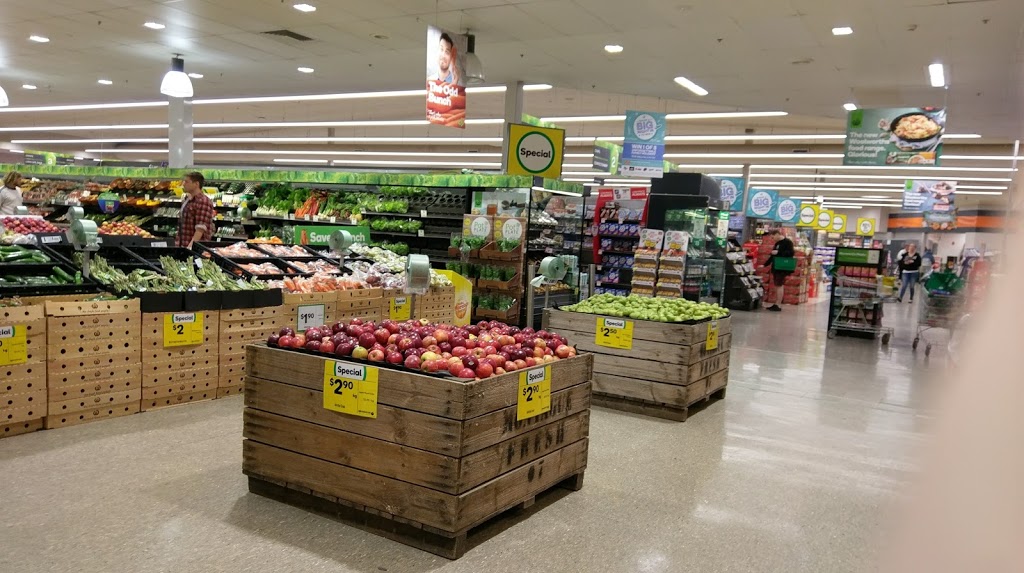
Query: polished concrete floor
x,y
796,470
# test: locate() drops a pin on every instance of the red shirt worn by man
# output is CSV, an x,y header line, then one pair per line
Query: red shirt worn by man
x,y
195,223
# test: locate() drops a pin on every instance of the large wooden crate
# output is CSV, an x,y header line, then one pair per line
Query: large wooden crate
x,y
94,360
668,370
441,457
179,374
23,396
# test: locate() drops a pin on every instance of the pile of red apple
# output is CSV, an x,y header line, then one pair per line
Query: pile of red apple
x,y
27,225
476,351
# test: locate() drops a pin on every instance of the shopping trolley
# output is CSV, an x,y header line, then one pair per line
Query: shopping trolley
x,y
860,306
940,310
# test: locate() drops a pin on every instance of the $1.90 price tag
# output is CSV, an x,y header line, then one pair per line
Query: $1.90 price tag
x,y
13,345
614,333
711,342
350,388
310,315
183,329
401,308
534,393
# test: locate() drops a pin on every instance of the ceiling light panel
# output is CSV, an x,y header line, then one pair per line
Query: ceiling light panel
x,y
842,31
613,49
39,39
154,25
937,75
690,85
850,106
305,7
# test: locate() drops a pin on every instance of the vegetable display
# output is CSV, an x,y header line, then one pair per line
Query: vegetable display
x,y
21,255
396,225
648,308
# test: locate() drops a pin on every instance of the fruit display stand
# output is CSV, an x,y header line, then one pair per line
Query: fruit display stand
x,y
23,395
179,358
654,368
420,459
94,360
238,329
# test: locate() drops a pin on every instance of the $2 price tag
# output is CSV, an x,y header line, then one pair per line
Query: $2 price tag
x,y
401,308
534,393
711,342
183,329
310,315
13,345
350,388
614,333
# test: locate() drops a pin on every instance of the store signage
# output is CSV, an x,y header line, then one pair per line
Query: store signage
x,y
711,341
463,297
894,136
643,150
936,200
824,220
13,345
478,226
614,333
787,212
762,203
508,228
808,215
310,316
732,191
866,227
446,77
851,256
400,308
109,202
534,393
317,235
535,151
350,388
183,329
47,158
607,156
839,223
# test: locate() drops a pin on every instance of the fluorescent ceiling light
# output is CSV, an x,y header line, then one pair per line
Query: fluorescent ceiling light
x,y
754,137
73,141
104,82
670,116
195,76
84,127
28,86
847,206
81,107
842,31
850,106
301,152
306,70
691,86
613,49
983,157
305,7
872,187
848,189
557,192
578,155
530,87
4,100
893,177
317,161
959,191
365,140
40,39
937,75
754,155
880,197
154,25
887,168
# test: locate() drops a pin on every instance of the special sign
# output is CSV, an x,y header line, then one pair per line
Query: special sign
x,y
535,151
534,393
350,388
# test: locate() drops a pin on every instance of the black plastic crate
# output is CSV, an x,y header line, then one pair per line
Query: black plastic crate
x,y
42,270
208,300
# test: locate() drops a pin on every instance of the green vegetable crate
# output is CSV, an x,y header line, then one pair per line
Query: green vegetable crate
x,y
658,369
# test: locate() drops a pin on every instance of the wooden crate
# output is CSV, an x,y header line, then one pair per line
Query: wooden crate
x,y
442,456
23,395
667,370
94,360
179,366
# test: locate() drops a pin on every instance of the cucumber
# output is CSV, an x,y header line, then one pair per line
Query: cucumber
x,y
63,275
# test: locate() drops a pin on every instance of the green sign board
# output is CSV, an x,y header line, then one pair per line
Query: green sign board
x,y
894,136
320,234
850,256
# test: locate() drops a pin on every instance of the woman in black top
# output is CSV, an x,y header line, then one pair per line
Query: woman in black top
x,y
910,271
783,248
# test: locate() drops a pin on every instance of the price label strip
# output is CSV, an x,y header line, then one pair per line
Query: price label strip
x,y
310,315
183,329
614,333
13,345
350,388
401,308
711,342
534,393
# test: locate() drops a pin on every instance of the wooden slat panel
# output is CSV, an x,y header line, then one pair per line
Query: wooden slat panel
x,y
656,392
423,431
499,392
665,352
680,334
698,351
706,368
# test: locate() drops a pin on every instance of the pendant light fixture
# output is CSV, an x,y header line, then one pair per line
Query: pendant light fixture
x,y
176,82
474,67
4,102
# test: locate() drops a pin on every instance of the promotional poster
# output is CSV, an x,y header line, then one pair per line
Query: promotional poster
x,y
446,82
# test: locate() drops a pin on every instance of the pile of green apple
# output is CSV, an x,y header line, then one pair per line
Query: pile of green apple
x,y
648,308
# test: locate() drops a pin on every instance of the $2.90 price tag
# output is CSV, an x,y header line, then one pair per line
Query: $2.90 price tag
x,y
711,342
13,345
350,388
614,333
310,315
534,393
183,329
401,308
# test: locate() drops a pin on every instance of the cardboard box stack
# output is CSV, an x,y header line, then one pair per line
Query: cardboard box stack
x,y
179,357
239,328
23,395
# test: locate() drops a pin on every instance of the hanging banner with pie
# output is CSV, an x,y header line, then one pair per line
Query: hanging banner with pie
x,y
895,136
936,200
446,81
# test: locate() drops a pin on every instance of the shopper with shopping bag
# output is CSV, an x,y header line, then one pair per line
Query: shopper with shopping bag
x,y
783,264
910,271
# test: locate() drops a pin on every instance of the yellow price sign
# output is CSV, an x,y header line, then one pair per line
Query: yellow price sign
x,y
401,308
711,342
534,393
350,388
13,345
183,329
614,333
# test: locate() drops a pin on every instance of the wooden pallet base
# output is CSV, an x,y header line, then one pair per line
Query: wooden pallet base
x,y
652,409
19,428
445,544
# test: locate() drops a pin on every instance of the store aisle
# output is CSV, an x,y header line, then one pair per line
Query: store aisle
x,y
794,471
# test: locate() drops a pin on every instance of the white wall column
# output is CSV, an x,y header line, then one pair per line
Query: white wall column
x,y
513,114
180,132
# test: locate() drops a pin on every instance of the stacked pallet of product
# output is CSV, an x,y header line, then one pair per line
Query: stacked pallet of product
x,y
437,305
94,361
22,369
239,328
797,283
179,357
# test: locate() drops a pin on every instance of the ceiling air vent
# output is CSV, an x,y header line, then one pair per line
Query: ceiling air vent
x,y
289,35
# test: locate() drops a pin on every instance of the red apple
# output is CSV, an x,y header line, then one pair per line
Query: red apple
x,y
394,357
470,361
313,345
429,365
353,330
375,355
496,359
298,341
466,373
484,370
405,343
412,362
441,335
457,340
273,338
338,327
429,340
367,340
459,351
286,332
392,326
520,364
382,335
285,341
344,349
499,371
479,352
540,342
444,346
471,344
433,348
327,346
393,339
562,351
539,352
530,361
